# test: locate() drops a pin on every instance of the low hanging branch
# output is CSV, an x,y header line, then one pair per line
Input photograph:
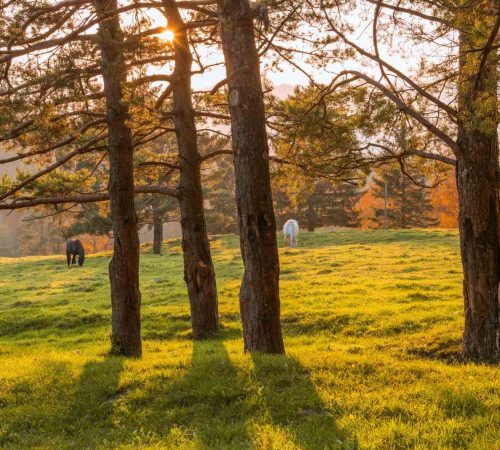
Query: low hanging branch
x,y
83,198
87,148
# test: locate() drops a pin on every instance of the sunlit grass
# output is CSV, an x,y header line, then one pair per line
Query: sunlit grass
x,y
372,324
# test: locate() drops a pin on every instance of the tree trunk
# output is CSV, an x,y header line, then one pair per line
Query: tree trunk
x,y
199,273
157,229
259,293
479,204
479,210
124,266
404,206
311,214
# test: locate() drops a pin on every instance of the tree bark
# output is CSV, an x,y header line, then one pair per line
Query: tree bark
x,y
199,273
259,293
157,229
124,266
479,214
479,203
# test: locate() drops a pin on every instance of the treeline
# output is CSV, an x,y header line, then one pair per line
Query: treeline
x,y
96,101
337,205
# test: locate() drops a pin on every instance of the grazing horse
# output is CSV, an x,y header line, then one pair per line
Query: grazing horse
x,y
74,247
291,230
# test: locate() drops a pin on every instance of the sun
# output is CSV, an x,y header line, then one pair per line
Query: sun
x,y
167,35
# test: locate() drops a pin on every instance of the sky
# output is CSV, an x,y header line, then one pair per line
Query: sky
x,y
402,57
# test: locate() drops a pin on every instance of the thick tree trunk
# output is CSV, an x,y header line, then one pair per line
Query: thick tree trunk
x,y
479,212
157,229
259,293
311,214
124,266
199,272
477,177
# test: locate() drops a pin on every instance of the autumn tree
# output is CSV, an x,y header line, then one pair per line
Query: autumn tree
x,y
444,199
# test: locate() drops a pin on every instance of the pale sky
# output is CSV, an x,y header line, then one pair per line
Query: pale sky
x,y
403,58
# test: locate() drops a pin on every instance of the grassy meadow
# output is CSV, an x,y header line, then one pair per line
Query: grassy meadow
x,y
372,324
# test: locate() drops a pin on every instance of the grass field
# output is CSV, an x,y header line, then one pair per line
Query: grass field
x,y
372,324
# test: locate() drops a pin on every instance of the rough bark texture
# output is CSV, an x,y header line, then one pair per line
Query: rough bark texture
x,y
157,229
199,273
479,203
259,293
480,246
124,266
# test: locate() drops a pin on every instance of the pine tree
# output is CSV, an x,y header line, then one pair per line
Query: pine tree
x,y
408,205
340,206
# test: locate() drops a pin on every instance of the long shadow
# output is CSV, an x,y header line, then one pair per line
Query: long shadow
x,y
87,421
293,404
54,410
28,404
207,402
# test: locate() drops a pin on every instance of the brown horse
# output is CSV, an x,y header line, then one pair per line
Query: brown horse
x,y
74,247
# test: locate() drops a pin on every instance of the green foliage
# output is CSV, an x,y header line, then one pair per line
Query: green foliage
x,y
408,205
218,186
315,134
327,205
372,323
90,222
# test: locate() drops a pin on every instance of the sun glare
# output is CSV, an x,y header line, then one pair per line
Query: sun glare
x,y
167,36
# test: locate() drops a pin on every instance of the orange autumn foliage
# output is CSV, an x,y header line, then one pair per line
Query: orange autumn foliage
x,y
366,207
444,199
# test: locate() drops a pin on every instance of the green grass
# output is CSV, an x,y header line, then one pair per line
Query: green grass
x,y
372,324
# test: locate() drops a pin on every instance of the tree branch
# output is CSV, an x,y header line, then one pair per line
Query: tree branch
x,y
84,198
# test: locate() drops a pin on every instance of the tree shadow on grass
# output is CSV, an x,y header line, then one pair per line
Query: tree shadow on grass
x,y
55,410
294,404
88,419
206,404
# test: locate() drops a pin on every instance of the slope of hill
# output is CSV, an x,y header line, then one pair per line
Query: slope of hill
x,y
372,324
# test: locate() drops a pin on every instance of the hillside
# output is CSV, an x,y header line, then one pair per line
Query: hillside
x,y
372,324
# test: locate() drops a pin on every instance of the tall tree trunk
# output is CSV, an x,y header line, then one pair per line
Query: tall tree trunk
x,y
479,203
199,272
124,266
157,228
259,293
311,213
479,214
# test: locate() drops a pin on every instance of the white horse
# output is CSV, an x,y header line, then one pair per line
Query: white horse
x,y
291,230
